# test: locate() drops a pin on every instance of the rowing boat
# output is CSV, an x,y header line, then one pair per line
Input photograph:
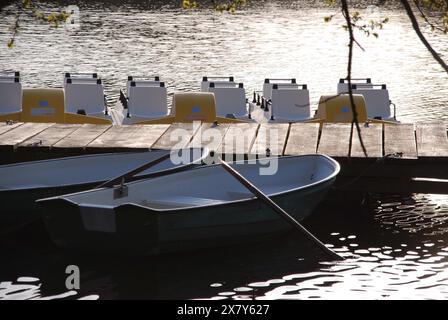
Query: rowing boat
x,y
198,208
21,184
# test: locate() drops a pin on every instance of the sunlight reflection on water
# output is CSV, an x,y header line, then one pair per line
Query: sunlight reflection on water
x,y
28,288
182,46
413,270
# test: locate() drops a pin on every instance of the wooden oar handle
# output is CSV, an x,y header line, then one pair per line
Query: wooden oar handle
x,y
133,172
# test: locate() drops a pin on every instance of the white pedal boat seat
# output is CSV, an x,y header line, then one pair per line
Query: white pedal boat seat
x,y
145,100
230,97
289,103
376,96
80,77
343,85
264,97
10,93
230,100
223,81
269,83
154,82
85,95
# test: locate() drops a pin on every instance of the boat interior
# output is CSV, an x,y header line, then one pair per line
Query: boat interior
x,y
194,188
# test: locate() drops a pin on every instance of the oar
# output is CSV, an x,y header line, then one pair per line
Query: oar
x,y
260,195
133,172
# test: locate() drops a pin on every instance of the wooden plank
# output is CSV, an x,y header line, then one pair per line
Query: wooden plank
x,y
5,127
239,138
81,137
178,135
302,139
270,136
128,137
11,139
400,139
334,140
372,138
432,140
47,138
210,136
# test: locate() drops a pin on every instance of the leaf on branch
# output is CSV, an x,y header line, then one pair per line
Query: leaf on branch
x,y
51,17
328,18
26,4
187,4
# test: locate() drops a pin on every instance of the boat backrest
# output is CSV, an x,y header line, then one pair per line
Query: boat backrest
x,y
268,83
9,78
337,108
10,95
343,84
290,102
43,105
9,74
80,77
84,97
229,99
147,99
377,100
222,81
142,81
81,81
194,106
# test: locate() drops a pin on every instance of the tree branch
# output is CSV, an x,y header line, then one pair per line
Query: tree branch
x,y
346,14
425,17
419,33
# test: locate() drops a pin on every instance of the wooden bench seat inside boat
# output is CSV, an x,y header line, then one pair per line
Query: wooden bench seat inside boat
x,y
179,202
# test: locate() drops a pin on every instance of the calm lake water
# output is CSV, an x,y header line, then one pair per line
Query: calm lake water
x,y
395,246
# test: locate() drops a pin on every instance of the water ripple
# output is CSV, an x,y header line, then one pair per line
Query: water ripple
x,y
182,46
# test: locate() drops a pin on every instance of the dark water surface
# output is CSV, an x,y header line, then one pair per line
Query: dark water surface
x,y
395,246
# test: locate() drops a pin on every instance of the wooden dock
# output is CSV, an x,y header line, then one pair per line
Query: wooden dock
x,y
400,158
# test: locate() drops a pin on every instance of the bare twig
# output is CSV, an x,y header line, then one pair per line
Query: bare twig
x,y
425,17
15,30
34,10
355,123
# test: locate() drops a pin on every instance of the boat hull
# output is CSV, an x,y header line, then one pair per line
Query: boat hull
x,y
19,208
137,230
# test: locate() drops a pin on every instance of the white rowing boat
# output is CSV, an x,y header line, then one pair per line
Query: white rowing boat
x,y
201,207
